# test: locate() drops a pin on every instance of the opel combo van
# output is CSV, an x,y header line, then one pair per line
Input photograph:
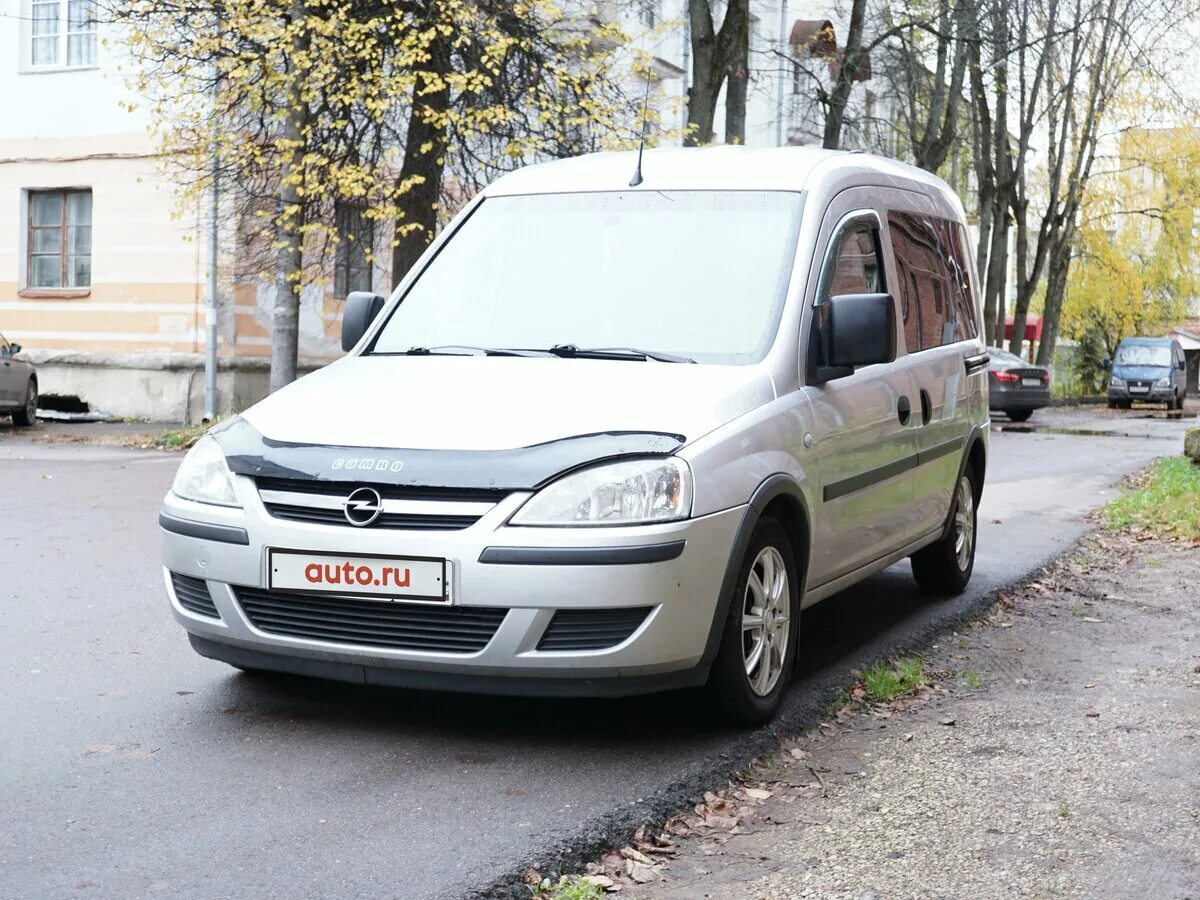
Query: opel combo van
x,y
607,439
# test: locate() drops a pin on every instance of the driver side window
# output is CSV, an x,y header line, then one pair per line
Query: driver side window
x,y
854,268
5,350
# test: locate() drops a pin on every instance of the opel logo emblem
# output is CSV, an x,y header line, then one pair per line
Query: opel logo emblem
x,y
363,506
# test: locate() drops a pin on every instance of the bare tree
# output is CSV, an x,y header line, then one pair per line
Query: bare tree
x,y
718,54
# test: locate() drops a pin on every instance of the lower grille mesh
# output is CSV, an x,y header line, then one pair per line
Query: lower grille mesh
x,y
193,595
375,623
591,629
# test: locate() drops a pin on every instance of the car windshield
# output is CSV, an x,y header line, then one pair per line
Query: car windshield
x,y
698,274
1143,355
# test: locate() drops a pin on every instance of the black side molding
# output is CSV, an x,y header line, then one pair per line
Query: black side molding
x,y
975,363
581,556
226,534
866,479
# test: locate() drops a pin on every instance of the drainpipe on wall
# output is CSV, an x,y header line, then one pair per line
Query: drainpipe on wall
x,y
210,300
782,75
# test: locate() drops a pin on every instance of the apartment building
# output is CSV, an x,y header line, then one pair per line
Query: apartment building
x,y
103,271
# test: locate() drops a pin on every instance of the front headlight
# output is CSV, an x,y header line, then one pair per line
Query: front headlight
x,y
1165,381
639,492
203,475
1117,382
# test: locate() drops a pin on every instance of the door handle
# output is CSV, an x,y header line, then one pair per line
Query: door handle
x,y
974,363
926,407
903,410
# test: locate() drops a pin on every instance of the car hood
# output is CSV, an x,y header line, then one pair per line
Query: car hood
x,y
500,403
1141,373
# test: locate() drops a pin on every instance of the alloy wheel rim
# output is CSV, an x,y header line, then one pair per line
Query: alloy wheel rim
x,y
31,403
964,523
766,614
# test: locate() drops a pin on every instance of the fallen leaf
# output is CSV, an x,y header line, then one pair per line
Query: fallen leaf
x,y
640,872
948,721
758,794
908,736
601,881
1092,619
531,877
1093,685
636,856
99,748
797,753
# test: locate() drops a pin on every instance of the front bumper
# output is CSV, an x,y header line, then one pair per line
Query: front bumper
x,y
1153,395
665,650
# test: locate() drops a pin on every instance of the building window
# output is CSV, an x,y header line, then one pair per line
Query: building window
x,y
356,241
648,14
60,239
62,33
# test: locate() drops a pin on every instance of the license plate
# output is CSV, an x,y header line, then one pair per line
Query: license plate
x,y
1138,389
395,578
1031,382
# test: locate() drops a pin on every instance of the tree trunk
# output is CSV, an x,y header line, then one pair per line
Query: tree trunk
x,y
1058,266
839,97
424,163
285,317
738,73
706,75
997,275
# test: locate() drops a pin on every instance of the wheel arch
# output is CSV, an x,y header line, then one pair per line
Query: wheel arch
x,y
779,497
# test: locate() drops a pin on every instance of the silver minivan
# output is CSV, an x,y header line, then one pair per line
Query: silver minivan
x,y
608,439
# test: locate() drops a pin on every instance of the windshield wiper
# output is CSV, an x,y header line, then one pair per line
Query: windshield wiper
x,y
570,351
448,350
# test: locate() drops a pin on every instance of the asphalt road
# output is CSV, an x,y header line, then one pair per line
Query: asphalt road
x,y
131,767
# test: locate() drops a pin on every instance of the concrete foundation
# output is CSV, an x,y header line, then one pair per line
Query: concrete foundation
x,y
155,386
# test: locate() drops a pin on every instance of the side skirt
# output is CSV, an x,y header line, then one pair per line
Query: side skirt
x,y
817,594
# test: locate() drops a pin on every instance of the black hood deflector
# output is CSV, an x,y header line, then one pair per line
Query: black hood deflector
x,y
523,468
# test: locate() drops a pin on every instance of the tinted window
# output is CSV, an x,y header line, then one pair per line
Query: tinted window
x,y
698,273
934,287
855,268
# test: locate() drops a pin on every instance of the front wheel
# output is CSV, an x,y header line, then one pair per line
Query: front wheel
x,y
758,644
27,414
945,567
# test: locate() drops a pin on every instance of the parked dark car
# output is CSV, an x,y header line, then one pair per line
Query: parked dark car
x,y
1148,370
1017,387
18,385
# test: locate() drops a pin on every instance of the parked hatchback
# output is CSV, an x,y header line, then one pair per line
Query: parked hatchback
x,y
1016,387
607,439
18,385
1148,370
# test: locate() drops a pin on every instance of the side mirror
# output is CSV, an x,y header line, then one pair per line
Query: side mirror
x,y
1182,363
1107,363
359,312
16,348
854,330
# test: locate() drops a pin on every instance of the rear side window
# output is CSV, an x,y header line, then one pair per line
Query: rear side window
x,y
934,288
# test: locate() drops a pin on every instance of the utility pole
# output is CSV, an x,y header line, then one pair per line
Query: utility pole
x,y
782,76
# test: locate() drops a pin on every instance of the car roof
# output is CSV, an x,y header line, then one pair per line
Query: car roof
x,y
713,168
1147,340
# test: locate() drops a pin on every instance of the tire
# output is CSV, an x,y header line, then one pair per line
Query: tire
x,y
1112,404
1020,415
945,567
751,694
27,414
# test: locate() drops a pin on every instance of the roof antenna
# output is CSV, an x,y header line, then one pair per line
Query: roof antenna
x,y
637,173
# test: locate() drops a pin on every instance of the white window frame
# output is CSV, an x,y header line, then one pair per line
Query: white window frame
x,y
63,35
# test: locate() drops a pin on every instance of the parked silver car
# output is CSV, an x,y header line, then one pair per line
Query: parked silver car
x,y
607,439
18,385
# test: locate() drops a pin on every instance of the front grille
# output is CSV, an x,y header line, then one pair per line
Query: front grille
x,y
193,595
374,623
385,520
318,502
591,629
